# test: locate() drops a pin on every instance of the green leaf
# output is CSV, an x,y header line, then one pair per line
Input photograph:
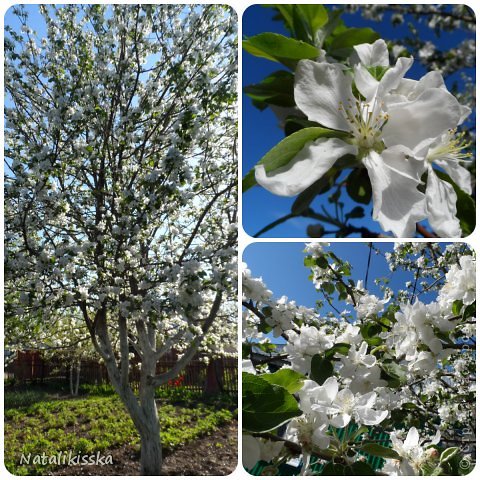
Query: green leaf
x,y
429,469
343,44
265,406
448,454
379,451
384,321
315,15
465,205
246,350
294,124
378,71
279,48
370,330
321,262
276,89
288,379
395,371
333,469
334,24
360,469
457,307
328,287
286,11
286,150
309,262
470,311
356,435
358,186
341,348
444,336
321,369
301,28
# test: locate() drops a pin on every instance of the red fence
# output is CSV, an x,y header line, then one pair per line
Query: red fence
x,y
219,375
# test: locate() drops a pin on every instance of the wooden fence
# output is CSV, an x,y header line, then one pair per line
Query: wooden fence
x,y
219,375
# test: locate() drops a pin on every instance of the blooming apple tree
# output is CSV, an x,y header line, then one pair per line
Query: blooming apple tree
x,y
391,381
120,196
64,337
356,124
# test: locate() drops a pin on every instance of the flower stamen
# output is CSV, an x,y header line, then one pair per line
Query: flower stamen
x,y
452,148
365,124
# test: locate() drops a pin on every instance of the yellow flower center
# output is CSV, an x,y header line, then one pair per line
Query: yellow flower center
x,y
365,125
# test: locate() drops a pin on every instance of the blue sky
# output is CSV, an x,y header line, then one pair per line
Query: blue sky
x,y
261,133
280,264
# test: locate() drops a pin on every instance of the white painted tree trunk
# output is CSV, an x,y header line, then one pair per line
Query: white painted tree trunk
x,y
70,377
151,459
143,410
74,374
77,382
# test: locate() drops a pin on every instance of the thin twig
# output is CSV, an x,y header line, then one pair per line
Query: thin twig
x,y
370,246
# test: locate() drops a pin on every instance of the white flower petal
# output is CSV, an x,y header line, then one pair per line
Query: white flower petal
x,y
436,439
371,54
344,397
403,91
247,366
393,76
375,91
441,206
415,124
397,204
320,438
341,420
460,175
465,113
432,79
250,451
366,84
320,89
368,416
367,400
363,349
412,439
331,388
310,164
369,360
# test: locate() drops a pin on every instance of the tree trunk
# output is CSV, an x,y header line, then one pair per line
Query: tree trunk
x,y
71,378
74,373
77,382
151,458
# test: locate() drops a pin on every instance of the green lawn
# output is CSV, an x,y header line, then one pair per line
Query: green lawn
x,y
94,423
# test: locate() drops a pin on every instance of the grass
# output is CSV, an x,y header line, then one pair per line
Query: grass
x,y
36,424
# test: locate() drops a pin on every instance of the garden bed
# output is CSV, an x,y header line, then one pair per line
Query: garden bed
x,y
101,424
215,454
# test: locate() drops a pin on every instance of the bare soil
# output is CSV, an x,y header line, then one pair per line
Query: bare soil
x,y
215,454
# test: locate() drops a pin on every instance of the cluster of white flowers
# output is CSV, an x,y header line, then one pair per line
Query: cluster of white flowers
x,y
460,283
397,128
327,405
302,346
420,358
412,452
281,313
